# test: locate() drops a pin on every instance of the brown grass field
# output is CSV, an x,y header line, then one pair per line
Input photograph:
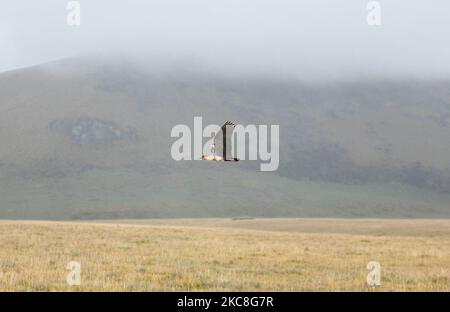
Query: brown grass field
x,y
226,255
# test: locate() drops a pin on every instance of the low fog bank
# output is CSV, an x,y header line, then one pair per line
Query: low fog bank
x,y
320,40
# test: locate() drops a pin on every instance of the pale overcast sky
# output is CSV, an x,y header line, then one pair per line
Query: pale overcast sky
x,y
320,38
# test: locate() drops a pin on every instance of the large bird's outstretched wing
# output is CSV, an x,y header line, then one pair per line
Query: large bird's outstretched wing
x,y
222,141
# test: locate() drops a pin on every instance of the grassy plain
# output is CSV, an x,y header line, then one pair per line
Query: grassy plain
x,y
225,254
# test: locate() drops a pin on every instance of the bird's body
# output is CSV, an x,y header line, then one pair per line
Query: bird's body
x,y
212,157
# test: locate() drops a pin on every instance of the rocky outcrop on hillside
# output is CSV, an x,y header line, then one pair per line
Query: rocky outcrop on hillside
x,y
87,130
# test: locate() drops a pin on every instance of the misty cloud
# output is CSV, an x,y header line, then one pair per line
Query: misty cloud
x,y
314,39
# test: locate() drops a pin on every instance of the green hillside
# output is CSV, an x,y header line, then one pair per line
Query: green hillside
x,y
85,138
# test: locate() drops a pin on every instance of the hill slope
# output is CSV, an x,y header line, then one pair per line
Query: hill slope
x,y
85,138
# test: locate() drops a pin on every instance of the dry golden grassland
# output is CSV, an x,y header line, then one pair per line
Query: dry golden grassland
x,y
221,254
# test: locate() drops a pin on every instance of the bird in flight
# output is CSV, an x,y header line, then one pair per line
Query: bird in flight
x,y
221,148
